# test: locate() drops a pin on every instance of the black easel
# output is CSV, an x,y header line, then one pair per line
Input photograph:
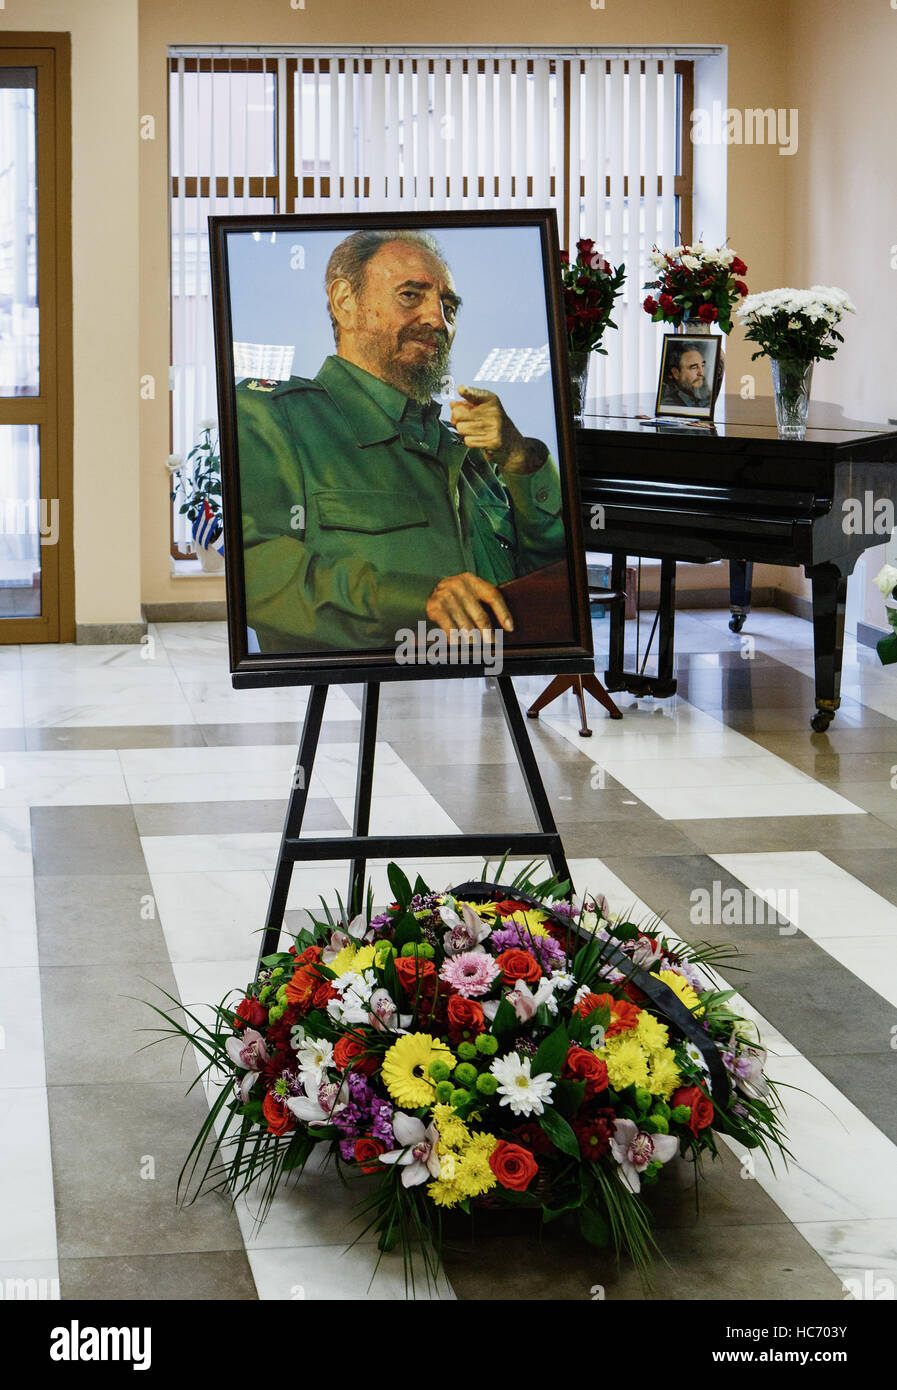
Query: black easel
x,y
360,846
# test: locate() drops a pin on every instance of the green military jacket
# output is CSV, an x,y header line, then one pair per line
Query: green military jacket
x,y
349,522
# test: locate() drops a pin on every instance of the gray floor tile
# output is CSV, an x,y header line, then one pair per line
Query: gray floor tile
x,y
627,837
233,817
837,769
102,1138
97,920
229,735
776,719
127,1048
218,1275
85,840
757,834
836,740
60,738
868,1079
506,1259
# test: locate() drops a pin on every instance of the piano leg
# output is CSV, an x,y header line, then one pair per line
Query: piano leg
x,y
638,682
741,574
829,601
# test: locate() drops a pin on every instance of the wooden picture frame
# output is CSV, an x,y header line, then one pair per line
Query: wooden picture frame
x,y
689,364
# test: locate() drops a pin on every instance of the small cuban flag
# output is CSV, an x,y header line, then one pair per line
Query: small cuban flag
x,y
207,529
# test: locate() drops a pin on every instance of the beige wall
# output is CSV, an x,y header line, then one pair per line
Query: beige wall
x,y
841,212
105,274
756,174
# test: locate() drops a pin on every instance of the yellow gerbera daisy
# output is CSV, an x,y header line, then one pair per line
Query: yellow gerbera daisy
x,y
682,989
405,1068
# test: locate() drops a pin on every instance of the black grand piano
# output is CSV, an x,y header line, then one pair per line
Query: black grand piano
x,y
737,493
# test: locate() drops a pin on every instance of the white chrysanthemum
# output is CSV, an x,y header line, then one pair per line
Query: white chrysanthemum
x,y
562,980
518,1089
886,580
696,1056
352,1003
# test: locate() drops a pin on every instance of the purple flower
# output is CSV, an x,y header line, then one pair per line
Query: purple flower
x,y
365,1113
514,936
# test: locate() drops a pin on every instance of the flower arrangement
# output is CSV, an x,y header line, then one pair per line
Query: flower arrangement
x,y
795,325
482,1046
591,285
201,488
696,282
886,579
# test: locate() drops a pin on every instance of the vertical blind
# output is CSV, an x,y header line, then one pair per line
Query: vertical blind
x,y
595,135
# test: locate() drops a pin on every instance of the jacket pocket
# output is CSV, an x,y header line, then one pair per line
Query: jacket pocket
x,y
367,510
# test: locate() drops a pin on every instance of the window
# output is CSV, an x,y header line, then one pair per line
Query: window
x,y
599,136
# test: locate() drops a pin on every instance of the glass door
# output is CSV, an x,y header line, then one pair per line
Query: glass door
x,y
36,599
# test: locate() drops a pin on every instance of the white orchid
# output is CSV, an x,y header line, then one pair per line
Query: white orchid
x,y
384,1014
247,1051
525,1001
319,1107
417,1149
465,933
634,1150
357,930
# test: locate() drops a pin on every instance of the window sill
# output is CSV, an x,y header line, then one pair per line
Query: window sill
x,y
190,569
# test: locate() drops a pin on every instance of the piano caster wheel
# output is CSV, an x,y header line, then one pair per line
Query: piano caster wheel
x,y
736,622
820,721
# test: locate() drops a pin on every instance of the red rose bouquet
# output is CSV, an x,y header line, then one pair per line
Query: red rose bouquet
x,y
479,1044
591,285
696,282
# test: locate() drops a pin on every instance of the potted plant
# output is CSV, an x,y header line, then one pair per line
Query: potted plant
x,y
591,285
198,483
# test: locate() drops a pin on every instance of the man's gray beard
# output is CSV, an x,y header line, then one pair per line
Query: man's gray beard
x,y
422,380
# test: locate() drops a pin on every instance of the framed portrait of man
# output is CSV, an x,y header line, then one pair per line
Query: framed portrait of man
x,y
688,370
398,477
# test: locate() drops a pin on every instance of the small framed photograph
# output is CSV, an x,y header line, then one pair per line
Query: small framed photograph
x,y
398,471
688,370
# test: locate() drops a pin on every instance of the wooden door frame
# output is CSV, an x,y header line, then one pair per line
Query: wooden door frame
x,y
53,409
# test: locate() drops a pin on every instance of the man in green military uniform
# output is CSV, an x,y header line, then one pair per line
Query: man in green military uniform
x,y
363,512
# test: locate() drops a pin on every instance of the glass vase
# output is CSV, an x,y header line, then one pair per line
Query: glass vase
x,y
791,387
579,381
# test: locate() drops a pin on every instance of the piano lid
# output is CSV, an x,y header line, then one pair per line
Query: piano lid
x,y
734,418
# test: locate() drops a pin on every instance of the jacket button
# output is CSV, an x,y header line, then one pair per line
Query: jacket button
x,y
542,494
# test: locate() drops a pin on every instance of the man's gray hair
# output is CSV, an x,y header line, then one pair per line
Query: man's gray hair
x,y
348,261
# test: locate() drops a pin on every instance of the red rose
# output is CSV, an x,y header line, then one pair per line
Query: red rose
x,y
250,1012
650,305
701,1106
513,1166
309,954
367,1150
666,304
518,964
585,246
323,994
302,986
465,1018
740,287
707,313
737,267
350,1052
280,1121
583,1065
565,258
412,971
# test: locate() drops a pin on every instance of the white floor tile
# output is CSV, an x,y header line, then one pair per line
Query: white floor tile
x,y
864,1252
21,1029
27,1207
403,815
167,854
31,1280
311,1273
831,903
18,926
717,803
15,842
211,916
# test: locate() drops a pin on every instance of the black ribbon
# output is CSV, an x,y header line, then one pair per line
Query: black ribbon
x,y
660,994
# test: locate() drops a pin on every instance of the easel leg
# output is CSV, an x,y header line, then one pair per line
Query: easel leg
x,y
364,784
593,685
280,888
551,692
531,775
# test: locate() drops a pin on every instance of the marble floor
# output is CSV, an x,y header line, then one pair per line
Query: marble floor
x,y
141,802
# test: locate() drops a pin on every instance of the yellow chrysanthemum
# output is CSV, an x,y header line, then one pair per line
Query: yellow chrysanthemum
x,y
405,1068
682,989
665,1075
627,1064
452,1129
464,1170
343,962
651,1033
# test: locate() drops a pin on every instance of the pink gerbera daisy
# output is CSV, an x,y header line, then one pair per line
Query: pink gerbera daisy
x,y
471,974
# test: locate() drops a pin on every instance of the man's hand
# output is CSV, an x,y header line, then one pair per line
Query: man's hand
x,y
481,421
456,605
